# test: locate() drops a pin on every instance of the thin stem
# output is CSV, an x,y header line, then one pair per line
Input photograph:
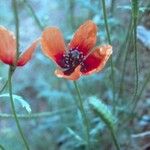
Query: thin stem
x,y
106,22
147,80
130,117
11,70
129,35
41,27
113,2
135,18
111,59
4,86
37,115
71,18
6,83
83,113
115,140
126,40
13,108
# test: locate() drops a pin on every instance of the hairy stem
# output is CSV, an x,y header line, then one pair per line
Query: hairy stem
x,y
84,116
111,59
115,140
128,41
147,80
12,69
13,108
135,18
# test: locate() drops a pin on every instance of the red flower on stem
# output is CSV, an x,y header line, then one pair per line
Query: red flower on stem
x,y
8,49
79,57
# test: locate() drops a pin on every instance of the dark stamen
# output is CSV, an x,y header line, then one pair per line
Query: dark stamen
x,y
71,60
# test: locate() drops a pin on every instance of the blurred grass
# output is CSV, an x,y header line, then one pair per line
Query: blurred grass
x,y
52,99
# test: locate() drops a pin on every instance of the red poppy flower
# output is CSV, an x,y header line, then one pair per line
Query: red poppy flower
x,y
79,57
8,49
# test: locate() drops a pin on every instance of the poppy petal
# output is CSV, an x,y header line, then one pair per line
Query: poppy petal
x,y
7,46
85,37
26,56
74,76
53,44
97,60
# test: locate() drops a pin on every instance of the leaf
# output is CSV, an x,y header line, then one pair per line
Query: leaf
x,y
23,102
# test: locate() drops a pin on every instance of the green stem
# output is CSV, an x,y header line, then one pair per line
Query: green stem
x,y
106,21
41,27
11,70
121,88
111,59
37,115
147,80
135,18
115,140
126,40
3,87
6,83
132,116
113,3
84,117
71,18
13,108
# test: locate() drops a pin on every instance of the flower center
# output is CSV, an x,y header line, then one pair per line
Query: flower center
x,y
71,60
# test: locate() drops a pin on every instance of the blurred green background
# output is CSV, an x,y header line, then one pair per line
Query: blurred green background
x,y
60,126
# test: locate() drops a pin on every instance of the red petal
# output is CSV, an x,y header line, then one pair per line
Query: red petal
x,y
97,60
53,44
7,46
74,76
27,55
85,37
